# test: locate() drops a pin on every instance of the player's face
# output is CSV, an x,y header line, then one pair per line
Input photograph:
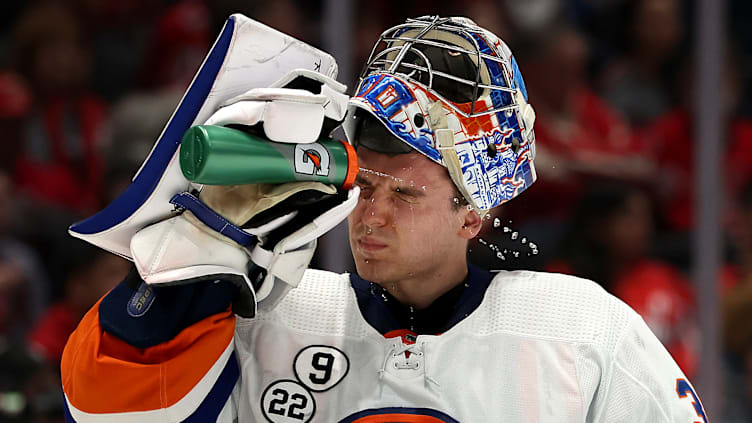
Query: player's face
x,y
405,225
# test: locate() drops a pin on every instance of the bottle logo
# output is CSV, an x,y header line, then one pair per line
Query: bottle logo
x,y
311,159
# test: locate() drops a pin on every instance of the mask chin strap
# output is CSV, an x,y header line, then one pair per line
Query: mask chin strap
x,y
445,140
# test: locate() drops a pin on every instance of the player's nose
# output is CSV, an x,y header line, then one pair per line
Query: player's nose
x,y
376,209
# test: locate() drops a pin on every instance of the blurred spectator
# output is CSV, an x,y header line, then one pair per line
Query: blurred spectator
x,y
24,289
60,159
737,326
739,156
609,242
90,273
118,32
740,236
579,139
531,17
672,144
15,102
23,298
638,83
738,344
177,48
18,373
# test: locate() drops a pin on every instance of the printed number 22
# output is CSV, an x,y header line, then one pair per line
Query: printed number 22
x,y
683,388
298,403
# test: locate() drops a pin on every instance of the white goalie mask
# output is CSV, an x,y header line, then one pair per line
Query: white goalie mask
x,y
452,91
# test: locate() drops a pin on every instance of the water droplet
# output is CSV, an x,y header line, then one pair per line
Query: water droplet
x,y
482,241
516,253
533,246
507,229
423,187
497,222
367,261
523,240
501,256
456,200
515,235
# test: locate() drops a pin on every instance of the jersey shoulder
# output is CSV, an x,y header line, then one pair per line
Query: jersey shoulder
x,y
552,306
323,303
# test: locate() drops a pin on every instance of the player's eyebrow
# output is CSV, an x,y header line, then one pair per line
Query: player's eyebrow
x,y
361,180
413,192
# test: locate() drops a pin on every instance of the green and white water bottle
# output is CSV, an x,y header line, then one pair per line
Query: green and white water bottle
x,y
217,155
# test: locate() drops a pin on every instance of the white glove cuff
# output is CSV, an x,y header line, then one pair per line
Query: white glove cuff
x,y
288,115
320,225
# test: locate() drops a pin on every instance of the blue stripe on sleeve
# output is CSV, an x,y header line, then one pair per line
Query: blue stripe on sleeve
x,y
212,405
66,411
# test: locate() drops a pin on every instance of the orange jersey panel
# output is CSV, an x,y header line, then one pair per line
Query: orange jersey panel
x,y
139,379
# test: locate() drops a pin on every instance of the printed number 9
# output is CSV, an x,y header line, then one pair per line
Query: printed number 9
x,y
277,405
323,362
683,388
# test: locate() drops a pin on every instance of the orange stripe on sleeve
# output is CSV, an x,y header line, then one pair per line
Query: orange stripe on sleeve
x,y
103,374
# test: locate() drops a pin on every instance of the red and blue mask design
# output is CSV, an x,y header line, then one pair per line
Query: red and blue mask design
x,y
454,75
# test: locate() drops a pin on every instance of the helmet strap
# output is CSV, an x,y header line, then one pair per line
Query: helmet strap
x,y
445,143
445,138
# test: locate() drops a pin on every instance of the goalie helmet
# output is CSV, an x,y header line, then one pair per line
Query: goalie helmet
x,y
452,91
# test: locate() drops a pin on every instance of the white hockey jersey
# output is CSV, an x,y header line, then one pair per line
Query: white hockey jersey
x,y
540,347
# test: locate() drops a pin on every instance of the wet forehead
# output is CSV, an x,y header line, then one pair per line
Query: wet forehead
x,y
410,167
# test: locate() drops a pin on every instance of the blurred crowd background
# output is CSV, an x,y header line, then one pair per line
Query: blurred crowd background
x,y
87,85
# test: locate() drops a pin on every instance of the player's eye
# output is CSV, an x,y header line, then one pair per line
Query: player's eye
x,y
366,189
405,195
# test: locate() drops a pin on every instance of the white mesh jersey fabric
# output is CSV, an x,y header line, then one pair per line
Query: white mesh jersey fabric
x,y
540,348
645,378
551,306
322,304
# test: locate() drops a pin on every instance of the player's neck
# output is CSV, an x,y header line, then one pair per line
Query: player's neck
x,y
420,291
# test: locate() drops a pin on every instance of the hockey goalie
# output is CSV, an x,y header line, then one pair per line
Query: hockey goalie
x,y
221,320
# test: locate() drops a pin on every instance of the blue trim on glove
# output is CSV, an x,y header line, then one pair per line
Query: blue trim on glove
x,y
212,219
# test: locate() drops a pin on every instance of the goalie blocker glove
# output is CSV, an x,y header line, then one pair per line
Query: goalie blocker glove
x,y
261,237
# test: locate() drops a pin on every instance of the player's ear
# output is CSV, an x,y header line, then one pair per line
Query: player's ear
x,y
471,223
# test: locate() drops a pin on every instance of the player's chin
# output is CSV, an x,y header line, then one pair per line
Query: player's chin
x,y
371,270
369,267
365,260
